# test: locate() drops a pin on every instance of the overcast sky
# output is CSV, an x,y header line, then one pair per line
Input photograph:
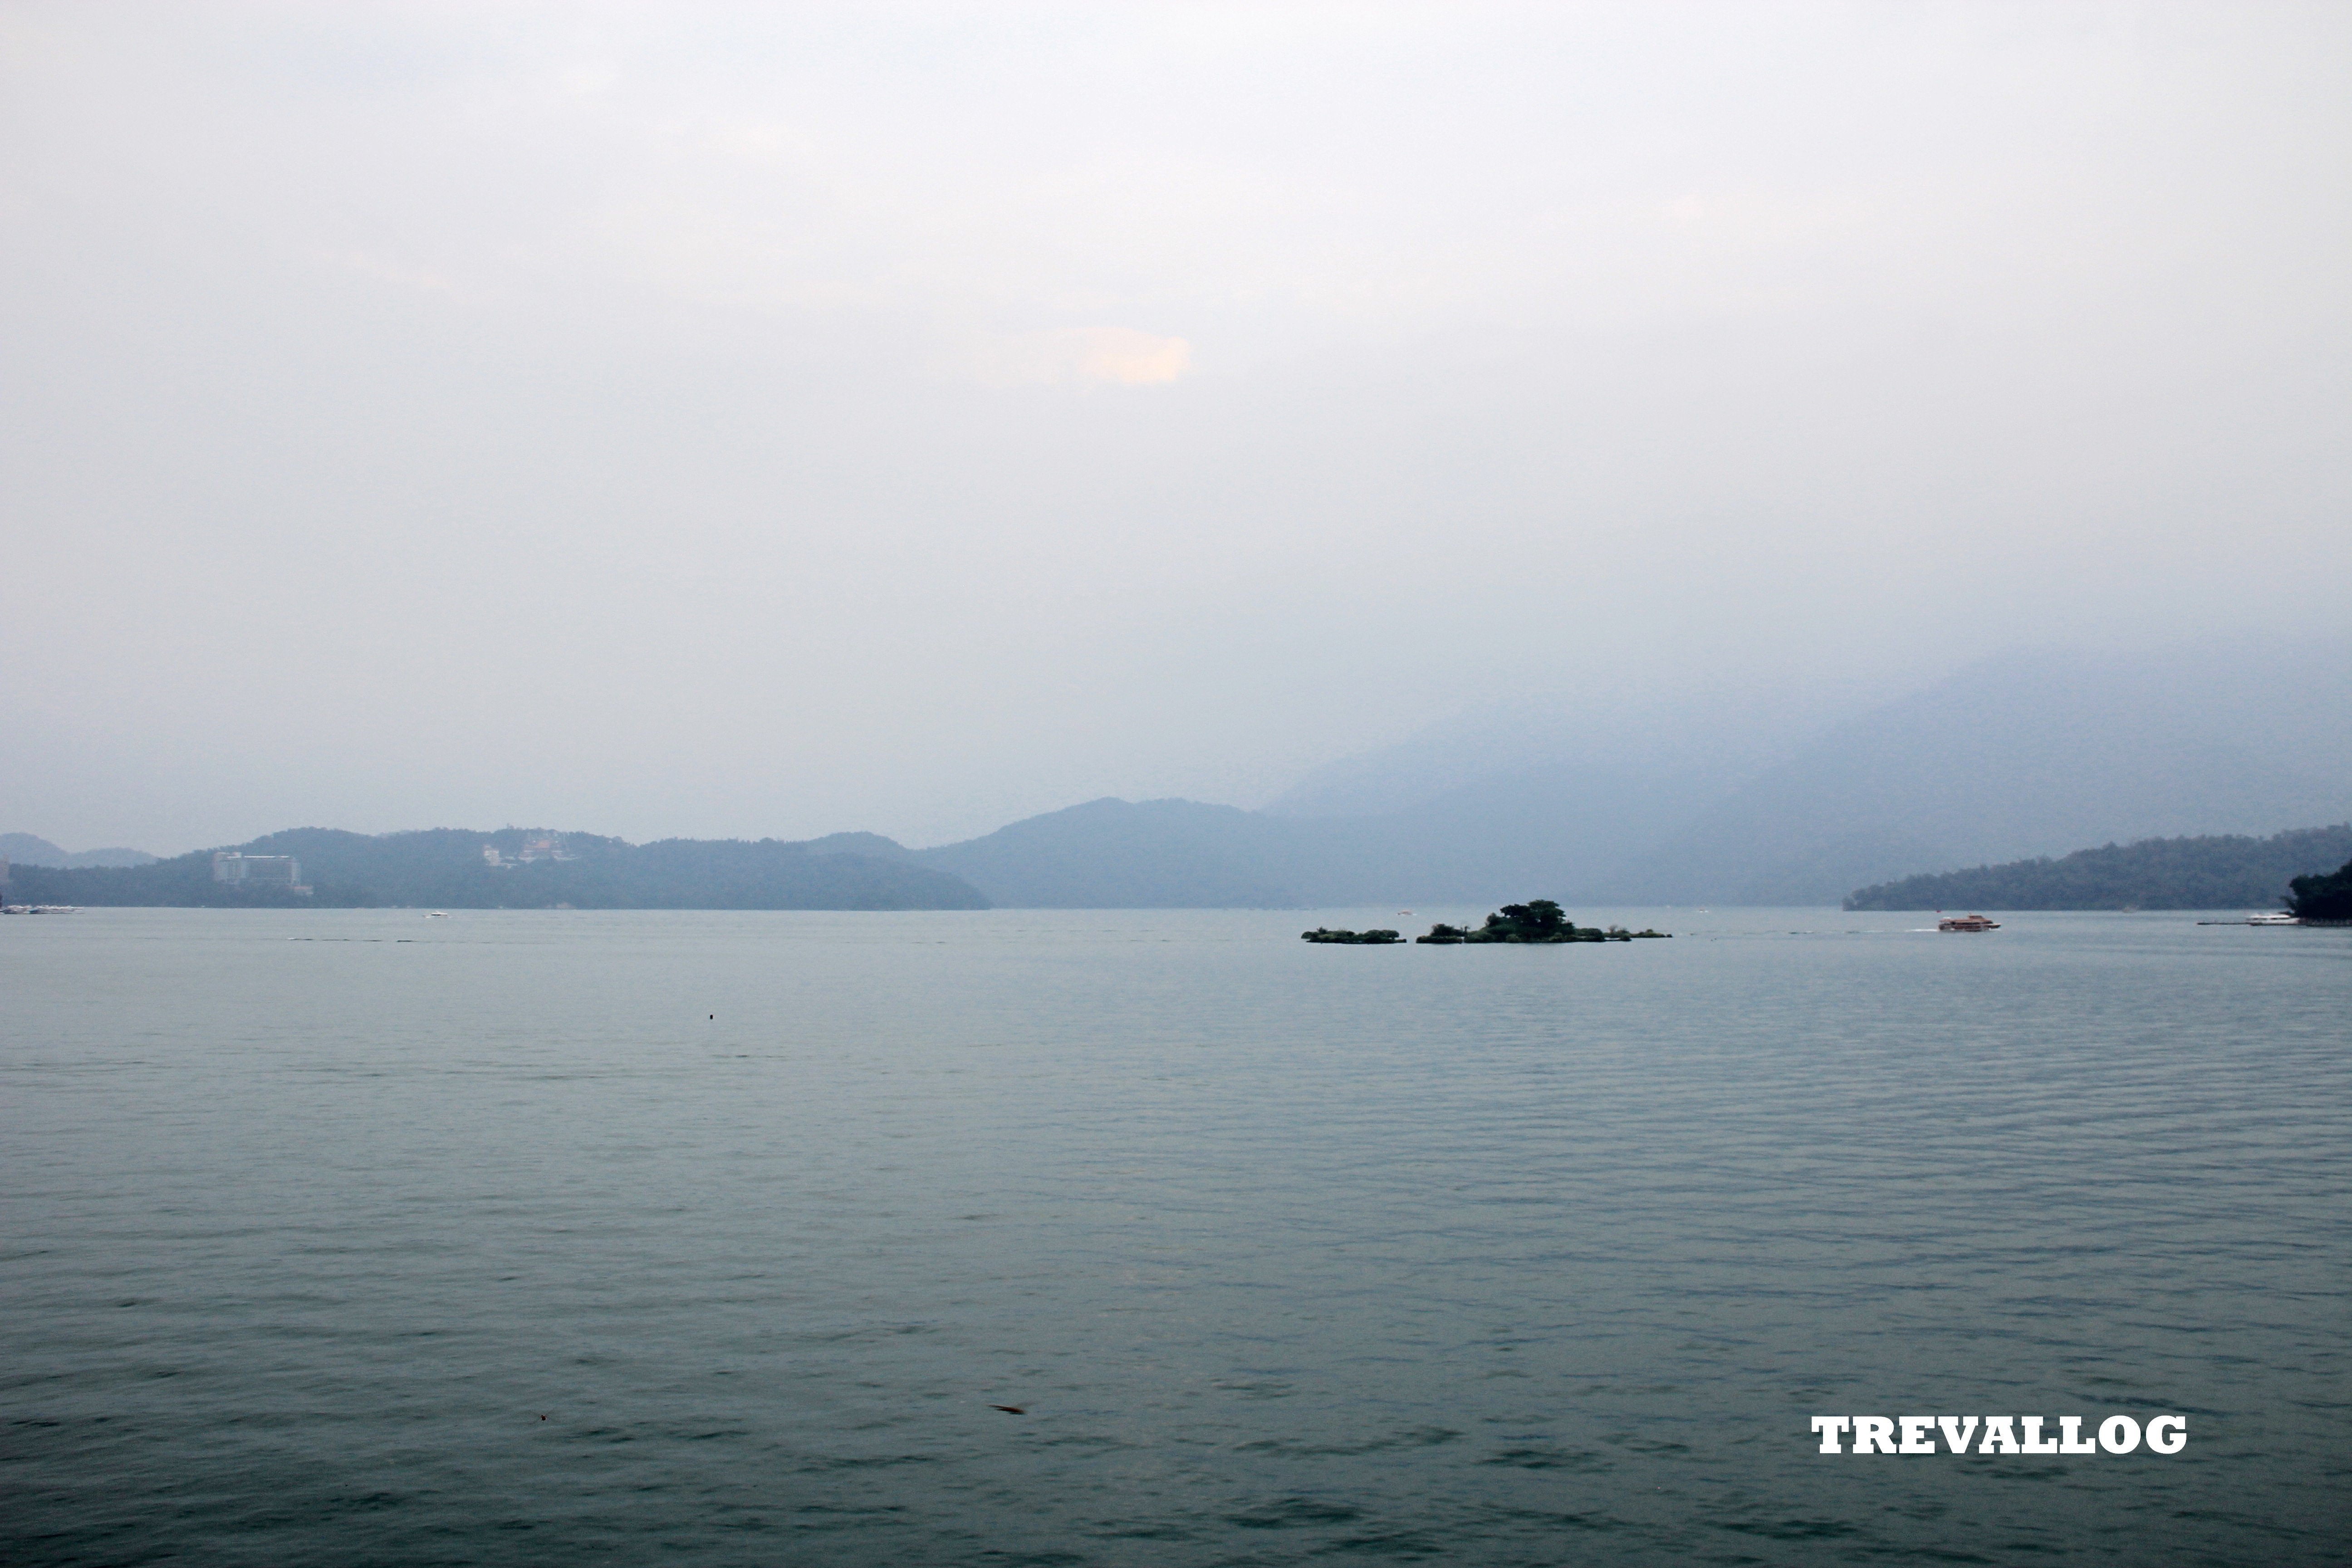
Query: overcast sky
x,y
662,419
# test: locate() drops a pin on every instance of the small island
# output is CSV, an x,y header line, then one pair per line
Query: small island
x,y
1539,920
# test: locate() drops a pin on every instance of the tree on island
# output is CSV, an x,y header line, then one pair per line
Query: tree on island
x,y
1538,920
2322,897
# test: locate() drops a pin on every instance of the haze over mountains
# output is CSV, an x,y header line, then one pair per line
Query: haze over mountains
x,y
2029,752
2205,872
1754,797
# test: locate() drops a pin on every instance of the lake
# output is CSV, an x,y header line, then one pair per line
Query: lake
x,y
366,1237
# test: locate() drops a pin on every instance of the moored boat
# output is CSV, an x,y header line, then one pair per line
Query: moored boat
x,y
1966,923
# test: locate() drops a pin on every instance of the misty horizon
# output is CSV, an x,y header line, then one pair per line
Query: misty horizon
x,y
705,423
1732,801
2277,697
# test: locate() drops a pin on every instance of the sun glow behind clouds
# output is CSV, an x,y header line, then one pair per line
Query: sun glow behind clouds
x,y
1131,358
1119,356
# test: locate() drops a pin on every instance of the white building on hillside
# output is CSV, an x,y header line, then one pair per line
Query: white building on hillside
x,y
258,871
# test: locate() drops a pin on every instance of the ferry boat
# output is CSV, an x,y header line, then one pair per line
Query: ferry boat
x,y
1966,923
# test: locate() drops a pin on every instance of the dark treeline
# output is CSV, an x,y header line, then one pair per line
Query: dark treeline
x,y
2323,897
2216,872
443,868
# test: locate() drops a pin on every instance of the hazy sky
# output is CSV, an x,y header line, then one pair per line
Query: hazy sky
x,y
744,420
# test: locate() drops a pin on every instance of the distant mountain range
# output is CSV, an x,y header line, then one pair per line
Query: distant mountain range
x,y
2212,872
24,849
2028,755
1754,800
2023,755
445,869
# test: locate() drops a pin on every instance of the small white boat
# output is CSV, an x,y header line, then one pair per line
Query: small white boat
x,y
2275,918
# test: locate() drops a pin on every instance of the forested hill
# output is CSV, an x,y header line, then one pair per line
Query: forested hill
x,y
2216,872
445,868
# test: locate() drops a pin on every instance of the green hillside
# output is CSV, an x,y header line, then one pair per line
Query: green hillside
x,y
2215,872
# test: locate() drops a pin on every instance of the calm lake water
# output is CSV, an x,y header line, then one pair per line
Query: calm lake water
x,y
362,1237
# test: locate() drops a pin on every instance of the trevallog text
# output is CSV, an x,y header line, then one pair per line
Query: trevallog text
x,y
1997,1435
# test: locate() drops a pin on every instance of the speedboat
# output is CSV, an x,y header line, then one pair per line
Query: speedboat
x,y
1966,923
2275,918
